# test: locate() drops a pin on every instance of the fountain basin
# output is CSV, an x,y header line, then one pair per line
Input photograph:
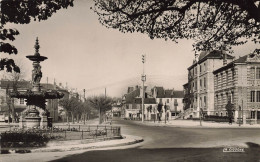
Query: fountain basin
x,y
32,121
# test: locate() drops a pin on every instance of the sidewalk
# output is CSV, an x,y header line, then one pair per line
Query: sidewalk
x,y
62,149
196,124
83,144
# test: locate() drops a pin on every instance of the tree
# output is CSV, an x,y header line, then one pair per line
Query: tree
x,y
230,109
67,104
218,24
101,103
159,109
14,78
23,12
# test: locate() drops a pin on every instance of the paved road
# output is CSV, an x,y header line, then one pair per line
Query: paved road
x,y
179,144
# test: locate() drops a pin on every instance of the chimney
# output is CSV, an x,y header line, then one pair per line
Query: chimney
x,y
224,59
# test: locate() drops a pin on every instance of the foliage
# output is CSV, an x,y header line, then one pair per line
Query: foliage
x,y
217,24
23,12
101,103
216,118
230,109
159,107
23,138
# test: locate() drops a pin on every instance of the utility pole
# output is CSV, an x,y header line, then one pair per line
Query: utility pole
x,y
165,109
105,92
143,80
84,94
198,87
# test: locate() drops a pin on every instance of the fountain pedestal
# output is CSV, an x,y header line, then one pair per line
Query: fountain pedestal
x,y
35,97
33,118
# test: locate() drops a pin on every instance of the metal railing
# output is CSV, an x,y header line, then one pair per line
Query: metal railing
x,y
77,132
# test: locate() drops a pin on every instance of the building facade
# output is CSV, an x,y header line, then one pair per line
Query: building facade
x,y
171,98
239,82
199,91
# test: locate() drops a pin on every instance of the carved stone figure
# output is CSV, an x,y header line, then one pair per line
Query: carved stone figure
x,y
36,74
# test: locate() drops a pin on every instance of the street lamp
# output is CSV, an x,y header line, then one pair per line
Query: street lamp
x,y
143,80
165,108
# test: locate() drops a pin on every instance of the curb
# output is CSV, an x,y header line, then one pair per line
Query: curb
x,y
198,126
93,145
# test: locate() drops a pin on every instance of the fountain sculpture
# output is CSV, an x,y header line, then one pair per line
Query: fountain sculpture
x,y
36,113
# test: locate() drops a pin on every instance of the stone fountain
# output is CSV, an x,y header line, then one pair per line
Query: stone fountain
x,y
36,113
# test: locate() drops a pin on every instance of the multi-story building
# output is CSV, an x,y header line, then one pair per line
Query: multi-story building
x,y
199,91
239,82
171,98
132,106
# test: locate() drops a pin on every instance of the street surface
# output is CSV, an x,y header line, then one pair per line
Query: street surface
x,y
179,144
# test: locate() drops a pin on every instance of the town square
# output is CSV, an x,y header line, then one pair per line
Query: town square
x,y
130,80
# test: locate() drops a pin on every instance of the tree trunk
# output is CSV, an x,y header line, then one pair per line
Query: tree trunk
x,y
67,115
84,118
100,117
13,112
72,118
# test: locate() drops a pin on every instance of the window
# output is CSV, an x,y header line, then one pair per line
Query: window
x,y
195,85
233,74
195,70
217,80
200,83
252,72
227,77
205,66
252,114
168,101
204,82
205,101
22,101
221,78
227,97
232,97
252,96
200,68
258,73
258,96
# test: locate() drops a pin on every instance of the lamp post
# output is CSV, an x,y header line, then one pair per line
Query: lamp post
x,y
165,107
143,80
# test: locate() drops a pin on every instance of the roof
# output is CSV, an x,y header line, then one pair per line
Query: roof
x,y
20,84
168,93
160,92
132,95
146,101
214,54
240,60
27,85
178,94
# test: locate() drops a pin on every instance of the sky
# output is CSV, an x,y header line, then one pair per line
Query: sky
x,y
86,55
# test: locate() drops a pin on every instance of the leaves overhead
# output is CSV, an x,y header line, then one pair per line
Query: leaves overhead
x,y
101,103
23,12
217,24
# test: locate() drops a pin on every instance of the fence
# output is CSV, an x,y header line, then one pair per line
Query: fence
x,y
77,132
68,132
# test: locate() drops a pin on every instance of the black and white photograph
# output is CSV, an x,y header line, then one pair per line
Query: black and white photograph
x,y
130,81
